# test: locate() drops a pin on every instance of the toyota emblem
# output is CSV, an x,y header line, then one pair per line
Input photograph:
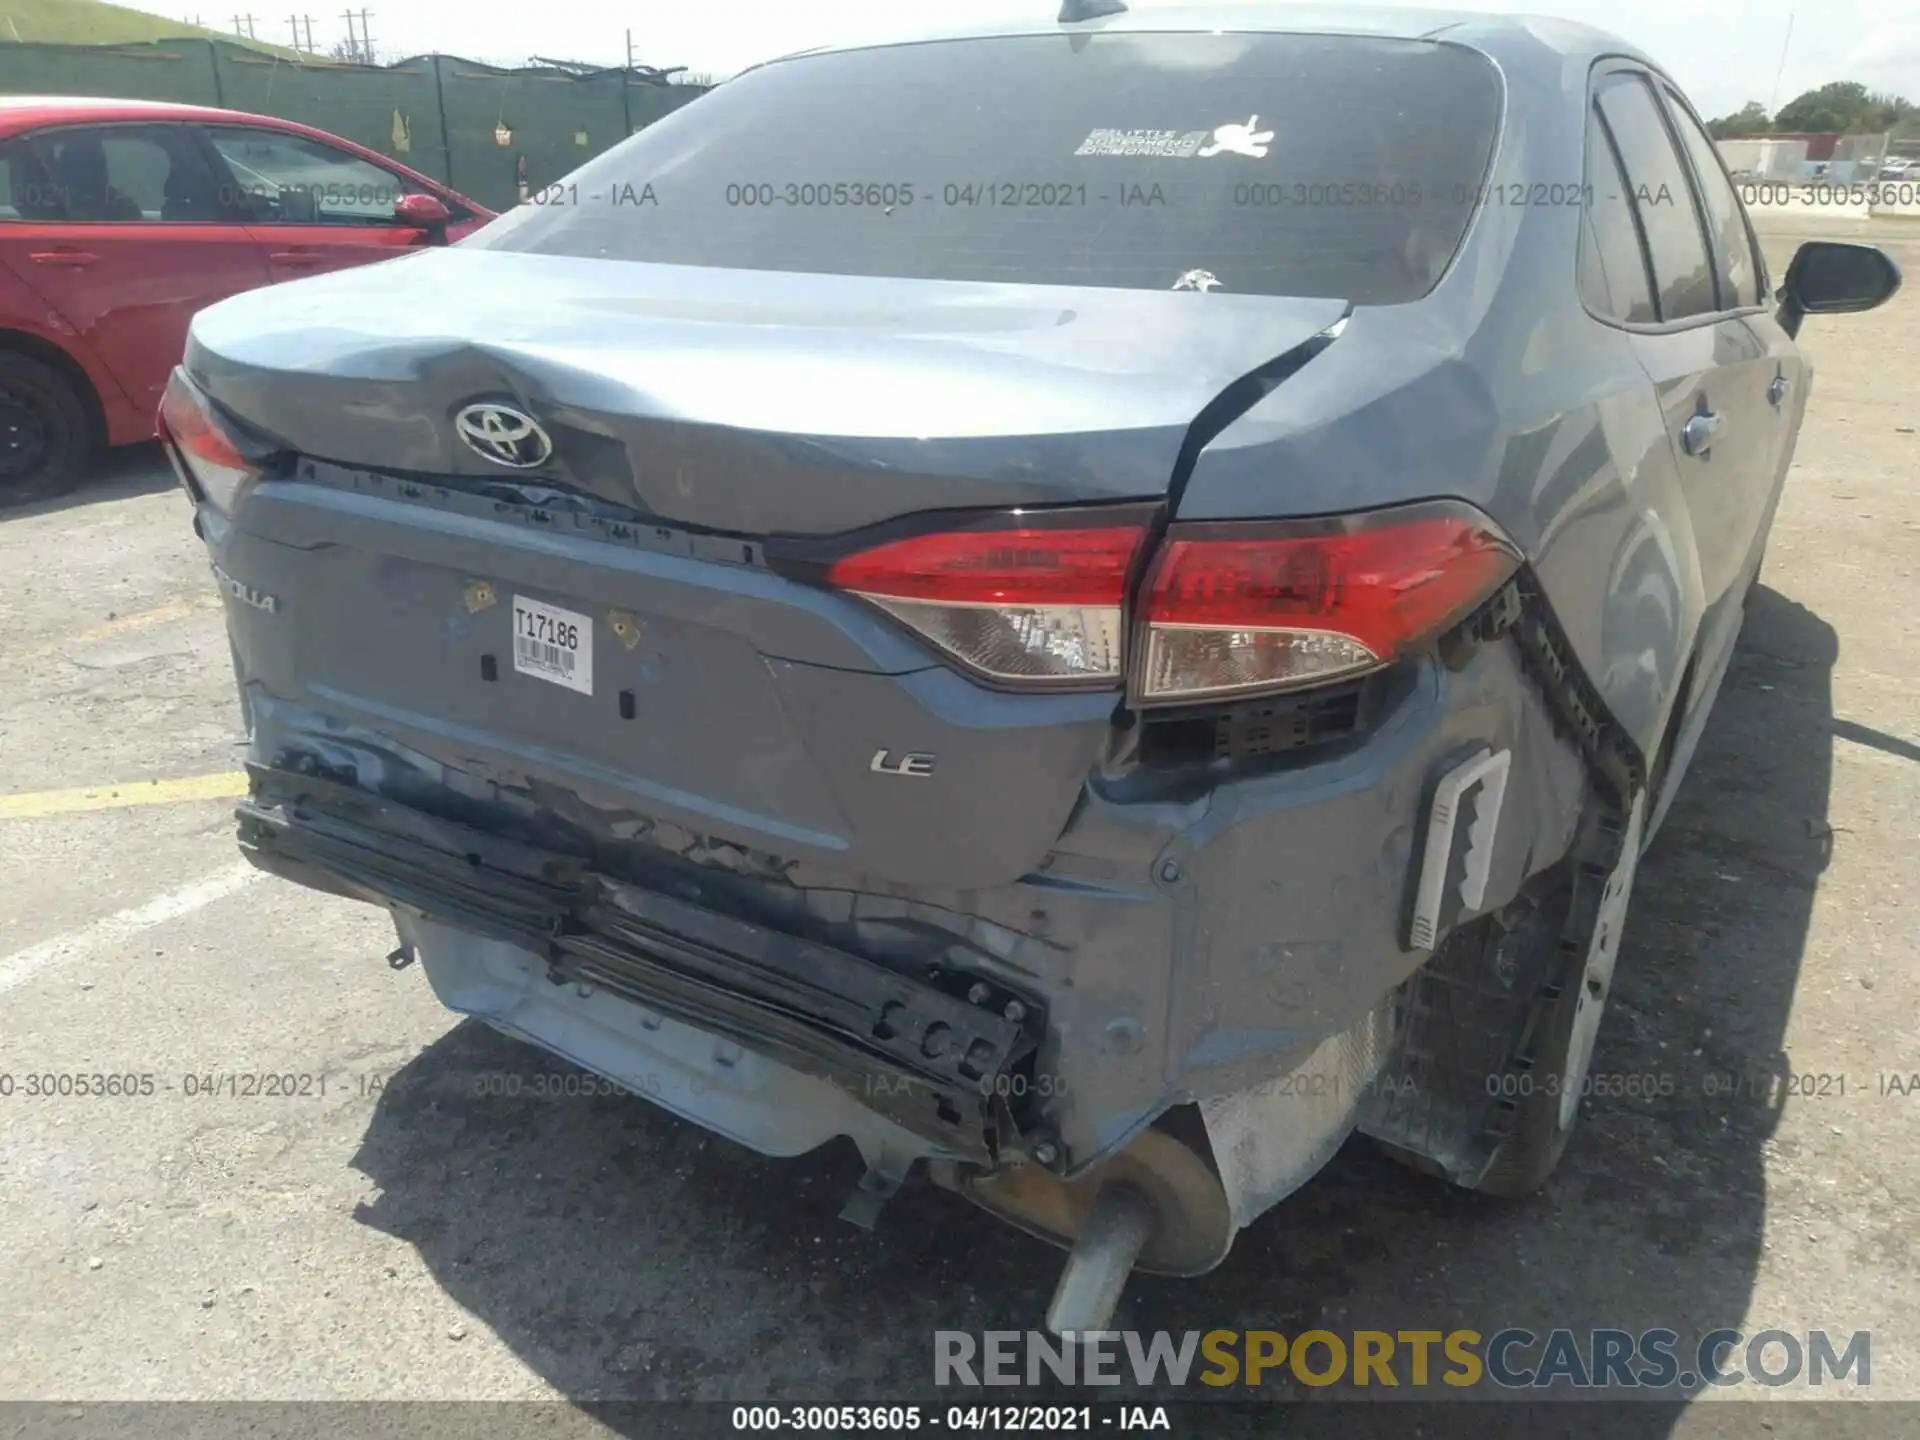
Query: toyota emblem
x,y
504,435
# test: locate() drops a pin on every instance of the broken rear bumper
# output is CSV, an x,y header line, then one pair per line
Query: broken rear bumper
x,y
937,1065
1189,938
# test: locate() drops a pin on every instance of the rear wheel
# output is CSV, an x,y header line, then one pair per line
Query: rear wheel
x,y
1551,1071
46,441
1504,1018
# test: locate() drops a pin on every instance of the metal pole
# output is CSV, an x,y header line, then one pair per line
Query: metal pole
x,y
446,137
626,83
1773,100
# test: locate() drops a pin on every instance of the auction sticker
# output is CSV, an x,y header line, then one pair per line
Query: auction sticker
x,y
553,644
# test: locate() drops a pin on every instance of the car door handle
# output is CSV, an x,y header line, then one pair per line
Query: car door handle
x,y
1698,434
73,259
294,257
1777,391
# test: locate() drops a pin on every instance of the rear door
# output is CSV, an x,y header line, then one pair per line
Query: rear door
x,y
1784,377
1709,367
312,206
127,240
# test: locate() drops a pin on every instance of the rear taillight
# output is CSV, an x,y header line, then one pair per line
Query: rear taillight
x,y
213,461
1225,609
1235,609
1027,601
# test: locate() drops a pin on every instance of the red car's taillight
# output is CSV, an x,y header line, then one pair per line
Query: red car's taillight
x,y
1233,609
1033,602
204,446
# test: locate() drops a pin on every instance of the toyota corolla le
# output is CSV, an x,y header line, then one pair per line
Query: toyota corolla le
x,y
1099,603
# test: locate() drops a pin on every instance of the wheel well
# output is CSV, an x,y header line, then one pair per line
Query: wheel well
x,y
52,356
1676,717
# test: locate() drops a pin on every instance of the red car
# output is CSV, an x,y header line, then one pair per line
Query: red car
x,y
124,217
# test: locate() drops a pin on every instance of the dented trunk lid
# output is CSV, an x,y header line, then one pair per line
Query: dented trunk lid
x,y
746,402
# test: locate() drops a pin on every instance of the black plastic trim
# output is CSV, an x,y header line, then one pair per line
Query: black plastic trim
x,y
903,1048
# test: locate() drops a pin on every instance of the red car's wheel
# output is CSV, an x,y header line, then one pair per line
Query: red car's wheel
x,y
45,439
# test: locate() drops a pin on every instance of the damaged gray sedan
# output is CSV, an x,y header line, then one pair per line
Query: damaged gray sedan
x,y
1100,603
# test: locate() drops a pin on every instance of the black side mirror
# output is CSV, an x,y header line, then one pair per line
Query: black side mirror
x,y
1830,277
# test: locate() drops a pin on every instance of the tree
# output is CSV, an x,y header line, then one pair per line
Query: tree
x,y
1890,112
1839,105
353,52
1749,119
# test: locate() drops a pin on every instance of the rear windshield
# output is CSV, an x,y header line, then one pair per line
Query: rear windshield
x,y
1326,166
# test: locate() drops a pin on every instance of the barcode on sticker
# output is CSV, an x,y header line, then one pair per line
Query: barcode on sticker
x,y
538,652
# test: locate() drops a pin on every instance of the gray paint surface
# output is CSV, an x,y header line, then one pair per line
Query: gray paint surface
x,y
1191,938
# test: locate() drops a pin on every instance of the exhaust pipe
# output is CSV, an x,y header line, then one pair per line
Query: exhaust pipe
x,y
1157,1206
1111,1238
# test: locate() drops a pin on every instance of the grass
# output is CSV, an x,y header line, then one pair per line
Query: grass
x,y
93,22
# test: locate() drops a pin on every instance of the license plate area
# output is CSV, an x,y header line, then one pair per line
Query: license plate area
x,y
679,721
553,644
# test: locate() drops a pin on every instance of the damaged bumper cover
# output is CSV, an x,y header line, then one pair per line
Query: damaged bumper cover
x,y
1141,968
938,1066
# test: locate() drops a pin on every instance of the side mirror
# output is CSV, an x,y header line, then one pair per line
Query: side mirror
x,y
1830,277
424,212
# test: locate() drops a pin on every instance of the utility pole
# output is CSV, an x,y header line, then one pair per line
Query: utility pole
x,y
362,47
243,25
626,84
295,21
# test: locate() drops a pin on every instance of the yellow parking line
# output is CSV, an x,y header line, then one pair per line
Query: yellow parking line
x,y
114,797
164,613
143,619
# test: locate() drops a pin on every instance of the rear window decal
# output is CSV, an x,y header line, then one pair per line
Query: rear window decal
x,y
1233,138
1166,144
1247,139
1201,280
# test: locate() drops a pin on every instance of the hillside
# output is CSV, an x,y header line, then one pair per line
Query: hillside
x,y
92,22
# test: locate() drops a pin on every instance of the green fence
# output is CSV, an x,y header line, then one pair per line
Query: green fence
x,y
441,115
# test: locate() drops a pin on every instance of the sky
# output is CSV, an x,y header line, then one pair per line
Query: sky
x,y
1723,52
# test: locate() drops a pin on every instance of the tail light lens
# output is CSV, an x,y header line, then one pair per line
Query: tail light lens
x,y
1227,609
1027,601
1232,609
203,445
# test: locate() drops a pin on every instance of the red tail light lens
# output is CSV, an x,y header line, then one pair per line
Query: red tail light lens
x,y
212,460
1233,608
1026,602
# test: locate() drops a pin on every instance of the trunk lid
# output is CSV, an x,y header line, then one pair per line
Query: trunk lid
x,y
746,402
